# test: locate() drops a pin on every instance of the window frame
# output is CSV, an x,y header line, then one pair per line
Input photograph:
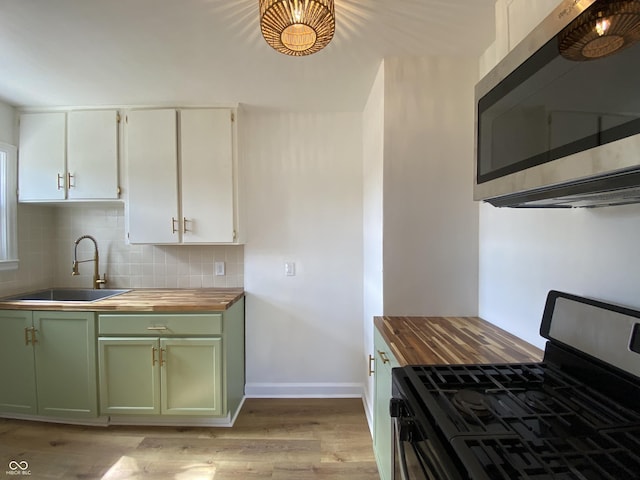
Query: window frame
x,y
9,207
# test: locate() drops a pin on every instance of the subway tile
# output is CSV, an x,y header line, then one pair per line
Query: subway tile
x,y
46,247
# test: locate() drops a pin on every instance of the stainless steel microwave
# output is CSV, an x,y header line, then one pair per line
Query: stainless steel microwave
x,y
558,119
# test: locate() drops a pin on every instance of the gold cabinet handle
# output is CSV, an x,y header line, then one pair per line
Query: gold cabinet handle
x,y
153,356
69,182
159,327
34,340
372,360
163,352
60,179
26,335
174,222
184,225
383,356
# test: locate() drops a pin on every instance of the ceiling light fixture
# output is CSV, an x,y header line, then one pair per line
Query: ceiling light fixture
x,y
607,27
297,27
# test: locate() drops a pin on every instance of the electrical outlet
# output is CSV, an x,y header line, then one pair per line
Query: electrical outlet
x,y
289,269
219,268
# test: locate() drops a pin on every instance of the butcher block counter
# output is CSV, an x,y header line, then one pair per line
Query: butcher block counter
x,y
143,300
452,340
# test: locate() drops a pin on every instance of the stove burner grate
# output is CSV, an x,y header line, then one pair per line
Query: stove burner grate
x,y
530,421
472,404
537,399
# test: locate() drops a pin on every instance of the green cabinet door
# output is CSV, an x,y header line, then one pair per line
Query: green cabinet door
x,y
382,426
191,375
17,374
129,375
65,364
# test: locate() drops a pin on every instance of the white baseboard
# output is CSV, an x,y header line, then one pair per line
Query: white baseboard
x,y
368,410
304,390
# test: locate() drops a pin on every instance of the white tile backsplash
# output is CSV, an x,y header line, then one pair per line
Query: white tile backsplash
x,y
46,237
137,266
35,251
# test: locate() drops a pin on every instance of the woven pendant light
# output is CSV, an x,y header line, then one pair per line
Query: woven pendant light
x,y
607,27
297,27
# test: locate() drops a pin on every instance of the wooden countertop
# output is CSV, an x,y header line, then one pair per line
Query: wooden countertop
x,y
452,340
143,300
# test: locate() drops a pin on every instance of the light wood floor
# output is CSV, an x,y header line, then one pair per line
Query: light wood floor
x,y
279,439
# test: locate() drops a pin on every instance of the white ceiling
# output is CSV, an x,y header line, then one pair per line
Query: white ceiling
x,y
211,52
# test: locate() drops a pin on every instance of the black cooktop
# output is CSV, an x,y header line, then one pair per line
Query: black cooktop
x,y
527,421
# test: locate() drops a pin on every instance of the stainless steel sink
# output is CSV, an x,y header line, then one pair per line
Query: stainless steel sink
x,y
67,295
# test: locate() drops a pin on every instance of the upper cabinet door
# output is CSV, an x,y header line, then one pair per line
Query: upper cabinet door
x,y
206,153
92,155
41,157
152,167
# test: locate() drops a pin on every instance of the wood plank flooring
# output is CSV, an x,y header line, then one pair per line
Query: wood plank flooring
x,y
278,439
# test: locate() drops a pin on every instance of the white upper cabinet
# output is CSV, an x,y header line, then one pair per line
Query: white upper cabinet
x,y
206,157
515,19
524,16
152,167
41,157
68,156
181,176
92,155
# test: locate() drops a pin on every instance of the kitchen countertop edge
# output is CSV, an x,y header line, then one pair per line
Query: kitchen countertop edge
x,y
143,300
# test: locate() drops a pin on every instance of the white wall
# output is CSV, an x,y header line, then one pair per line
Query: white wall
x,y
430,218
526,253
420,221
372,170
8,132
303,193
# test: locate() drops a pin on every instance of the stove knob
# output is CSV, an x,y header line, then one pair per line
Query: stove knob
x,y
396,406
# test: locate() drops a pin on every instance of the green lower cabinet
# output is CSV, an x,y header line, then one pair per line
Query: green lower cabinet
x,y
191,376
382,425
129,375
48,363
17,367
65,354
170,376
172,364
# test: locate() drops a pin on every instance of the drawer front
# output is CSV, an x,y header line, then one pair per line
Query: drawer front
x,y
160,324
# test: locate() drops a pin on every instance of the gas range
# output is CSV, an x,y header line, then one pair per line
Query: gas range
x,y
576,415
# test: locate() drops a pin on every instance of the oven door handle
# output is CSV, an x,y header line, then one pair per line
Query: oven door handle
x,y
429,466
404,470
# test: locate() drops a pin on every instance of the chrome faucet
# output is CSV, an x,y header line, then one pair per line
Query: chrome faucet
x,y
97,281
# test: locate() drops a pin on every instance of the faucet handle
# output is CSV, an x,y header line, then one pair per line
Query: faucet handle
x,y
101,281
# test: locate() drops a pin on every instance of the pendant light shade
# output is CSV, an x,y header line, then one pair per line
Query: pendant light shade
x,y
297,27
607,27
